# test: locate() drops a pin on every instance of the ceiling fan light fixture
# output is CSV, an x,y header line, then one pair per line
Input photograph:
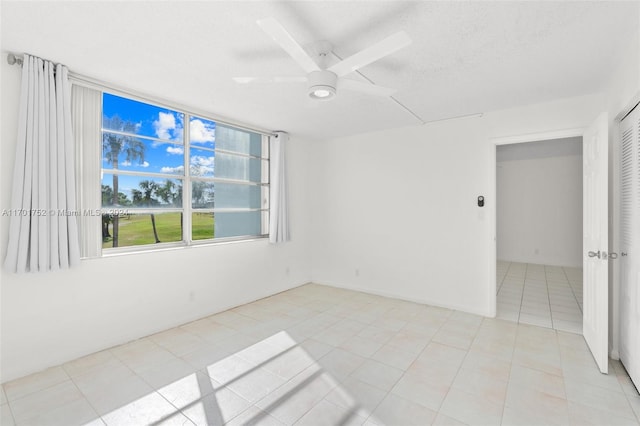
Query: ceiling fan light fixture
x,y
322,93
322,85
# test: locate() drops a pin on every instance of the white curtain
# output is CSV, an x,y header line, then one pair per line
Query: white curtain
x,y
279,204
43,232
86,113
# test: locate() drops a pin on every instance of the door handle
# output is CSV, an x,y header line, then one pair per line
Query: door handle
x,y
594,254
623,254
613,255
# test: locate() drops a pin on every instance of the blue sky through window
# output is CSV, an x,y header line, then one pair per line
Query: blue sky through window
x,y
160,123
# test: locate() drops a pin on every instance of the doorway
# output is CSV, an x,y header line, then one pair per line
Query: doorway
x,y
539,233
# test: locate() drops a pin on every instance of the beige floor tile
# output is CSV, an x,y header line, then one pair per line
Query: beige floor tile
x,y
538,380
148,409
422,390
340,363
443,420
34,382
634,401
42,402
599,398
481,383
166,373
6,418
527,406
178,341
209,330
295,398
189,389
390,355
78,412
217,407
361,346
472,408
357,395
328,414
497,368
89,363
580,414
142,354
395,410
254,416
378,374
115,394
290,363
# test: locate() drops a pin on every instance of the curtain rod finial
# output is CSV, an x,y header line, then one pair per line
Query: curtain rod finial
x,y
13,59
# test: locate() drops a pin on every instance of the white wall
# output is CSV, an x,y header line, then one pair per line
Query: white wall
x,y
539,206
50,318
395,212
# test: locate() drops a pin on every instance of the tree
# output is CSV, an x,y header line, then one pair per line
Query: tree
x,y
171,194
107,197
113,145
145,198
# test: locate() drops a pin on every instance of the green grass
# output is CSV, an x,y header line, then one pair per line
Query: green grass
x,y
137,230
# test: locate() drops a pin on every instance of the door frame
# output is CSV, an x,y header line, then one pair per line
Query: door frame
x,y
493,243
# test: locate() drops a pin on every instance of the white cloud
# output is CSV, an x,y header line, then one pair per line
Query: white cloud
x,y
178,170
201,165
166,127
201,132
175,150
126,163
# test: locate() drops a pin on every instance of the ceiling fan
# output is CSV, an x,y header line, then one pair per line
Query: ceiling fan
x,y
323,82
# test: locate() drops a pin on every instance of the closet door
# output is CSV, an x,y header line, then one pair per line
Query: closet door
x,y
630,245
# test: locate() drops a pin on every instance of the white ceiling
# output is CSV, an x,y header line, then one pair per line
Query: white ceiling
x,y
466,57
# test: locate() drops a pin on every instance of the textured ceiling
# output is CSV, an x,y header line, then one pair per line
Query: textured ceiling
x,y
466,57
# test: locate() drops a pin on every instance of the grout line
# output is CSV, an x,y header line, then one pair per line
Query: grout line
x,y
546,282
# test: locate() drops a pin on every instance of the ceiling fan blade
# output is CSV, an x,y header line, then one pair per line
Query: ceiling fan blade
x,y
371,54
281,36
282,79
367,88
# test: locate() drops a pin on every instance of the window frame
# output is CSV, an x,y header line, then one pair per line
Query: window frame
x,y
187,179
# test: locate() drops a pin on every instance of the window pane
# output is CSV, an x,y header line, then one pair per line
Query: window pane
x,y
229,166
202,133
202,195
201,162
224,225
129,153
141,192
242,141
127,115
202,226
139,229
207,195
229,195
237,224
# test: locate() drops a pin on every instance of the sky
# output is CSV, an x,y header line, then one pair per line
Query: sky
x,y
164,156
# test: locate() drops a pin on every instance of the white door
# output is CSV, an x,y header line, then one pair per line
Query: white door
x,y
595,322
630,245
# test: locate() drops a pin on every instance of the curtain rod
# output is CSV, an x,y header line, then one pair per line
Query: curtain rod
x,y
93,83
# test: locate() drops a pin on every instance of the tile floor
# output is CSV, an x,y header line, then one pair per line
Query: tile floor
x,y
318,355
543,295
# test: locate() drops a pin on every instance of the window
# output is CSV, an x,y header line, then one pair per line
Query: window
x,y
167,183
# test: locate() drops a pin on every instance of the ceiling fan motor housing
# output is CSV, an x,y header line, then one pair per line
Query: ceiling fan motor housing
x,y
322,84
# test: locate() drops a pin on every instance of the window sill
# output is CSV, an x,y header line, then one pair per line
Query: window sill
x,y
125,251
